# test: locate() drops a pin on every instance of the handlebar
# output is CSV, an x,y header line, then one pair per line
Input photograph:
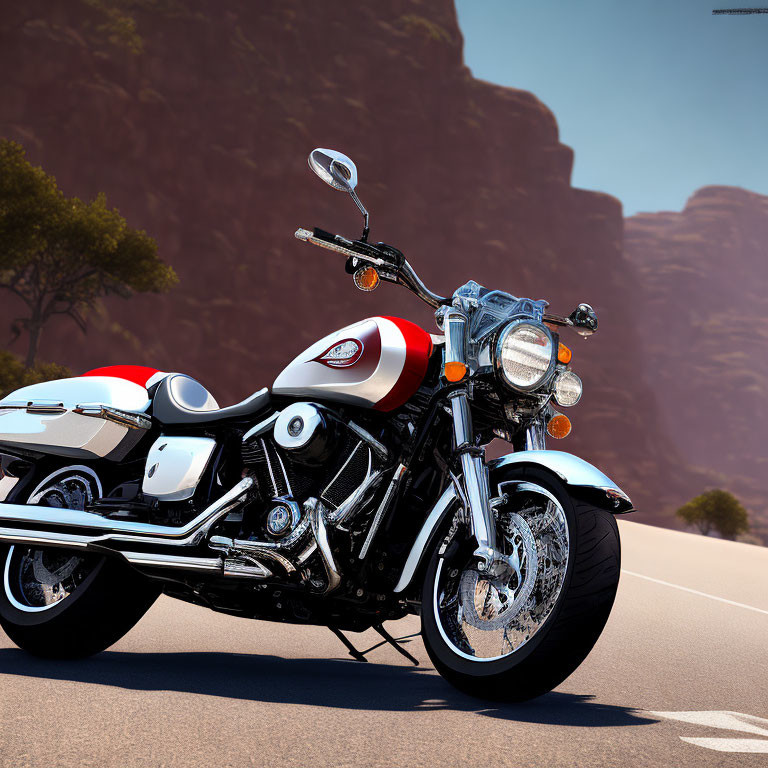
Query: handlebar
x,y
391,265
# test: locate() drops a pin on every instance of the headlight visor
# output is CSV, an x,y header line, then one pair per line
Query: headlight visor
x,y
525,355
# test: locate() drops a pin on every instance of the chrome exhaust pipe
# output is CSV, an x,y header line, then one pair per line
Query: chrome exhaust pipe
x,y
252,569
180,562
320,532
251,549
96,533
95,529
215,565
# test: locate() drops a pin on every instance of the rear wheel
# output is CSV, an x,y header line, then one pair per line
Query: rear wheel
x,y
519,632
60,603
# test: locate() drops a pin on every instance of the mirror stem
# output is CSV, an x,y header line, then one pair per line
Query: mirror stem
x,y
366,228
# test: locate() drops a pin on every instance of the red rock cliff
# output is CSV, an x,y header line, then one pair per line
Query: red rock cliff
x,y
196,120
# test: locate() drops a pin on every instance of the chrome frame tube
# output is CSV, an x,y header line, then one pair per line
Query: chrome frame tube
x,y
385,502
260,428
367,437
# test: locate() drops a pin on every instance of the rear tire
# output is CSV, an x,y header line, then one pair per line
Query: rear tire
x,y
565,638
96,615
62,604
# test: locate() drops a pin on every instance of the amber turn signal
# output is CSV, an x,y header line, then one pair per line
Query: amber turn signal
x,y
564,354
559,426
454,371
366,278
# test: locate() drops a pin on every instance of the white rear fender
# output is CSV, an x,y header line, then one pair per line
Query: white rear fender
x,y
581,476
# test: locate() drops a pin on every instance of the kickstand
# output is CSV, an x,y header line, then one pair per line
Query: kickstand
x,y
353,652
394,643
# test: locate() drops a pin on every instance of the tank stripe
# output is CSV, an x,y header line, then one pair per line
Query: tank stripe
x,y
418,346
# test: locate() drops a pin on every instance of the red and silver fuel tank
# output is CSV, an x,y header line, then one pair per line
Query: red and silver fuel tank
x,y
379,363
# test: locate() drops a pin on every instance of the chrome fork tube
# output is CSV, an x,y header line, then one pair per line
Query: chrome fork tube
x,y
474,471
476,481
536,436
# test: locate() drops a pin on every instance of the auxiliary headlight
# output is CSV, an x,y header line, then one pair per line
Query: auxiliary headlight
x,y
567,389
525,355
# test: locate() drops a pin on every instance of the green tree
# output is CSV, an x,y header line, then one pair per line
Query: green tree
x,y
59,255
13,374
716,510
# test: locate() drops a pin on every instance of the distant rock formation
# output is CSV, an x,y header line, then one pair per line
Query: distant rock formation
x,y
704,325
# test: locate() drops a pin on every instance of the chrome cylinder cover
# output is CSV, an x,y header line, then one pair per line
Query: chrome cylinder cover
x,y
308,432
297,425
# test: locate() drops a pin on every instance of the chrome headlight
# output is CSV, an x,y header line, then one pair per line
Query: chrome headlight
x,y
567,389
525,355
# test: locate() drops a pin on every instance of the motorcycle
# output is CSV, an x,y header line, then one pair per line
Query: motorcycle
x,y
353,493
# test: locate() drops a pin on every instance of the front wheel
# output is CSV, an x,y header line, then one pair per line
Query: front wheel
x,y
520,631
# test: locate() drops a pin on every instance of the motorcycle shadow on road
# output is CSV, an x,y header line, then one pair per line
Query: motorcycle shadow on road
x,y
310,682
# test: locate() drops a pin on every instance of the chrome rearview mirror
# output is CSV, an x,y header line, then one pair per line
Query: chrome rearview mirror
x,y
334,169
339,172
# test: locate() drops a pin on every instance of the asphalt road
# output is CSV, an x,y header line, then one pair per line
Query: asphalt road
x,y
678,678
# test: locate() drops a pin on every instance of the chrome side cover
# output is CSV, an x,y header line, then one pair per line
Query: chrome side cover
x,y
175,465
569,468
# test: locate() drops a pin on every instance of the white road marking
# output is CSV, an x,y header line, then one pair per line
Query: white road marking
x,y
755,746
731,721
695,592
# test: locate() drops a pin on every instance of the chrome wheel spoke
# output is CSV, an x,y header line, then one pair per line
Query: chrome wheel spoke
x,y
486,617
38,579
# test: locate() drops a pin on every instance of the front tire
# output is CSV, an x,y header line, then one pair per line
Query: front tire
x,y
64,604
520,635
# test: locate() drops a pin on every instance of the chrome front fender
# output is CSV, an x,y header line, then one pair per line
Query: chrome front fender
x,y
580,475
574,472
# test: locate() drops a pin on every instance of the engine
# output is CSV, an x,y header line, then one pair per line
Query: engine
x,y
310,463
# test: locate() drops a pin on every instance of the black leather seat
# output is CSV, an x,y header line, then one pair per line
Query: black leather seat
x,y
180,399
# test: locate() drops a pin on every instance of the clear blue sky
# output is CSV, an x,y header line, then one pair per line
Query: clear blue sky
x,y
656,97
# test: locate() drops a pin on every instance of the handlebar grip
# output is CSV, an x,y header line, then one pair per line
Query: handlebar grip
x,y
338,244
389,262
